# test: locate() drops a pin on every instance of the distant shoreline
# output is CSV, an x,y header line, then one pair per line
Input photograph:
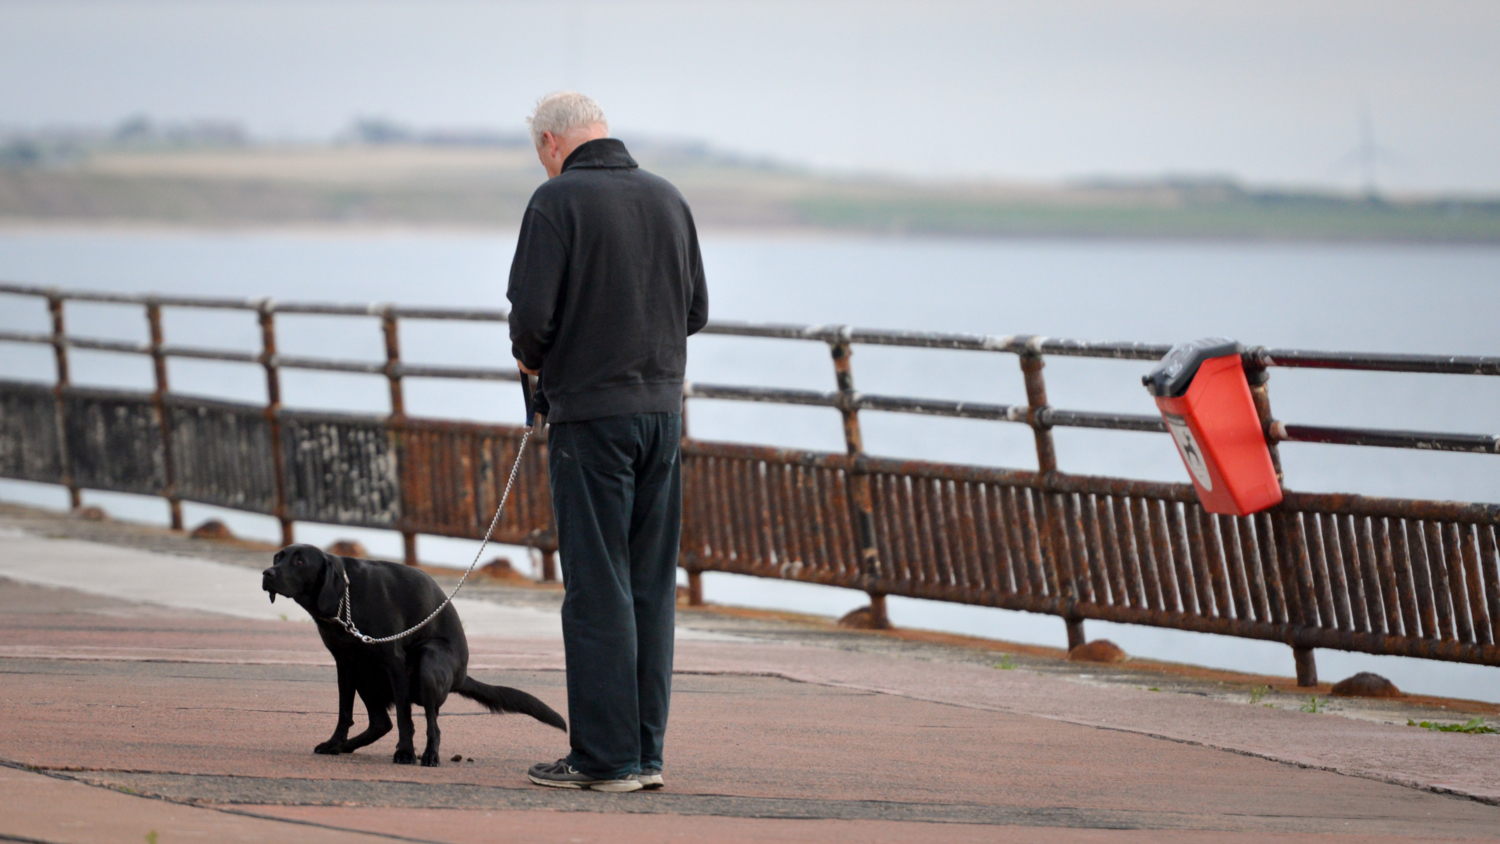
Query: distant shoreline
x,y
371,230
468,190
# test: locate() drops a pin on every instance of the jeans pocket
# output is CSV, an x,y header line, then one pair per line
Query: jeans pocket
x,y
670,443
603,445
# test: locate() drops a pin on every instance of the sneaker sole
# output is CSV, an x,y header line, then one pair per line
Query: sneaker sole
x,y
615,786
650,782
555,783
600,785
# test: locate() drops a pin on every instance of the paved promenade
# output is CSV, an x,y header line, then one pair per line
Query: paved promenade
x,y
149,687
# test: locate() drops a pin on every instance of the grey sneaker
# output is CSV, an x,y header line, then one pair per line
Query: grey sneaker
x,y
650,778
560,774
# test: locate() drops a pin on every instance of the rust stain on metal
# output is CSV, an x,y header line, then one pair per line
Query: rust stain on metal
x,y
1379,575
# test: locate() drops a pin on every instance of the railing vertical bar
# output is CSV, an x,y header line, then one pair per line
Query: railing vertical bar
x,y
1024,500
1421,580
1131,564
773,554
1269,566
1161,552
1377,584
1206,590
267,318
1364,587
1053,544
1093,543
1474,580
1012,578
395,426
1078,552
1353,573
1419,618
986,569
887,525
1458,583
731,545
1487,558
774,483
1292,550
1218,566
1399,617
1182,562
1337,570
859,494
926,564
159,398
55,305
1298,571
907,563
1111,543
965,543
1328,617
1146,551
810,483
1234,562
1438,586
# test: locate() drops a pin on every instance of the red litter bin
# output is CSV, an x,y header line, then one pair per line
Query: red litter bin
x,y
1203,396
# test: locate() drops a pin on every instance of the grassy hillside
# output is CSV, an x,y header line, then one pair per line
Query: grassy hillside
x,y
489,186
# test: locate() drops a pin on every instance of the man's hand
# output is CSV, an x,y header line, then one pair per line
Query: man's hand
x,y
528,370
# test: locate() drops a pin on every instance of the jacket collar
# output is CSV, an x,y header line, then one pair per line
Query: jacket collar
x,y
599,153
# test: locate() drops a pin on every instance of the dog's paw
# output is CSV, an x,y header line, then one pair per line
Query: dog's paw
x,y
332,747
405,756
430,758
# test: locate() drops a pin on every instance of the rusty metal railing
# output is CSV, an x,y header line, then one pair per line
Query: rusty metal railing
x,y
1377,575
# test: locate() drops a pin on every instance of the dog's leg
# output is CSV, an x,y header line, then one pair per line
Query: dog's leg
x,y
338,742
434,678
406,752
380,723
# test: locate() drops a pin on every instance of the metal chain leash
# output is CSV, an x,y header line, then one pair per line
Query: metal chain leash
x,y
344,616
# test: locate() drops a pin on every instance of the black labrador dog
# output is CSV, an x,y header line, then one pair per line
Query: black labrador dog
x,y
422,668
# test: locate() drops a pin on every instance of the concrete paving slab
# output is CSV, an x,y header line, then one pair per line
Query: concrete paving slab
x,y
45,809
771,740
209,586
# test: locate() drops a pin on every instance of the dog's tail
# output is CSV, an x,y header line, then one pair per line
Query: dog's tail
x,y
502,699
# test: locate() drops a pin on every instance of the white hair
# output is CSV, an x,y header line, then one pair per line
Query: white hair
x,y
561,112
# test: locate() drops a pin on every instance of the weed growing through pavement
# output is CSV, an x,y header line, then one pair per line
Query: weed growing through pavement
x,y
151,837
1153,689
1258,693
1006,663
1313,704
1473,726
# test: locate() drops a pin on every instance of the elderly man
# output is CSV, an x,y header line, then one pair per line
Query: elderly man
x,y
605,288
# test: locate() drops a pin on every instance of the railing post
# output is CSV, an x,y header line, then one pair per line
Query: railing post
x,y
396,423
861,502
267,315
1258,377
60,354
159,366
694,575
1054,544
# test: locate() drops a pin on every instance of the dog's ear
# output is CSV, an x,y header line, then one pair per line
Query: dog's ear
x,y
332,590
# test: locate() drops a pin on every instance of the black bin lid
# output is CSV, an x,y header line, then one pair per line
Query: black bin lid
x,y
1172,377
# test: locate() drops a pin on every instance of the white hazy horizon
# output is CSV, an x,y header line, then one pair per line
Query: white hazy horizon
x,y
1268,92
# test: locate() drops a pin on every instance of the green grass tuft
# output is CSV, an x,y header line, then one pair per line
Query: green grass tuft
x,y
1473,726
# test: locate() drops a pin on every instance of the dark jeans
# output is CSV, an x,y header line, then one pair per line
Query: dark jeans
x,y
617,493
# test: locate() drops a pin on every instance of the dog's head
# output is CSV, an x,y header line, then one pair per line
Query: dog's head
x,y
307,575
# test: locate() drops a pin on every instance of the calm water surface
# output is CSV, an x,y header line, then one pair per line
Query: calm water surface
x,y
1366,298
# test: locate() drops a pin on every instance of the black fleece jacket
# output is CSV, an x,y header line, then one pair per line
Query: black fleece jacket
x,y
606,286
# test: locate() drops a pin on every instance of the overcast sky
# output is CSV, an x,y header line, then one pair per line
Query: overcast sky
x,y
1269,91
